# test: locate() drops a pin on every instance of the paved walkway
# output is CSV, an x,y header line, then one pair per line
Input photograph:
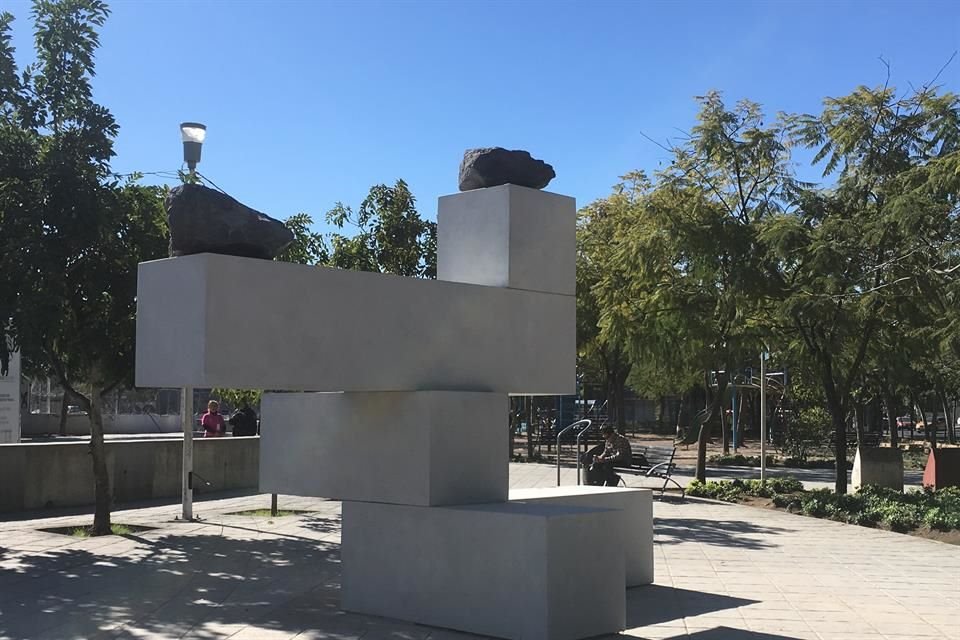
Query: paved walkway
x,y
724,572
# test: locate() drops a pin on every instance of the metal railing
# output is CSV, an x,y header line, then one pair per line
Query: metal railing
x,y
563,431
579,454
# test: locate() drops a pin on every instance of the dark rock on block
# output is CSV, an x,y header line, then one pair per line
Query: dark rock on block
x,y
203,220
493,166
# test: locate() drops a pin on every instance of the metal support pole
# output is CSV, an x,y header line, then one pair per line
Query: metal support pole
x,y
186,414
734,407
763,417
273,505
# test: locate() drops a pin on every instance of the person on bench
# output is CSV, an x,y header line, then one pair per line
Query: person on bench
x,y
615,453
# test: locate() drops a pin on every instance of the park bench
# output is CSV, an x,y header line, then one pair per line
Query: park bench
x,y
654,462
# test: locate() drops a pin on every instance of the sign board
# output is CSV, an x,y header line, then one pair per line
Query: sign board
x,y
10,401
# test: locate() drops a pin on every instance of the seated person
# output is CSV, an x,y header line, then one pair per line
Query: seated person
x,y
614,452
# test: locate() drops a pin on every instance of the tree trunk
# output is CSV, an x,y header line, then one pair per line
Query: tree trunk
x,y
838,418
948,419
681,411
860,416
63,412
101,517
619,397
529,428
891,419
724,433
707,415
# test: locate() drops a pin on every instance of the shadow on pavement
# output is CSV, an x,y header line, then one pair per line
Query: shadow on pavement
x,y
119,507
726,633
323,523
176,585
739,534
657,604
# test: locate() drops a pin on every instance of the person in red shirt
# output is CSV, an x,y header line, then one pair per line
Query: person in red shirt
x,y
212,422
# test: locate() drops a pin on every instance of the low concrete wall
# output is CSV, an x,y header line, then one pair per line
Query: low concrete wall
x,y
47,475
35,424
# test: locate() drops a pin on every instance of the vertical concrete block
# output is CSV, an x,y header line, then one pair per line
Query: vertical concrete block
x,y
508,236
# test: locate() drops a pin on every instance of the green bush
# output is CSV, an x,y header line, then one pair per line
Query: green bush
x,y
734,490
868,507
939,518
809,430
738,460
785,485
815,503
900,517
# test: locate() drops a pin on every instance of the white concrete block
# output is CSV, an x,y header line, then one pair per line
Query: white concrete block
x,y
220,321
881,466
508,236
512,570
414,448
637,504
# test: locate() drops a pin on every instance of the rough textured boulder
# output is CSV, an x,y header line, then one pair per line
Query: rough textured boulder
x,y
203,220
493,166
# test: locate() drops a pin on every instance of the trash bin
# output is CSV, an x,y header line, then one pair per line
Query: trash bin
x,y
589,475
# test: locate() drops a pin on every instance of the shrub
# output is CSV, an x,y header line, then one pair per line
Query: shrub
x,y
734,490
900,517
738,460
815,502
808,430
785,485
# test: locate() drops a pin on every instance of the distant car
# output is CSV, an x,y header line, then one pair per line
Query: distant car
x,y
904,422
939,422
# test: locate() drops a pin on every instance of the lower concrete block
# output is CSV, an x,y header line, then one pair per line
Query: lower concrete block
x,y
511,570
881,466
638,523
416,447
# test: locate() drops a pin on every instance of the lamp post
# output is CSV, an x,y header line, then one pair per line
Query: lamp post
x,y
193,135
763,415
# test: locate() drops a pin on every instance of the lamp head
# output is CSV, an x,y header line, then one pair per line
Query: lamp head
x,y
193,134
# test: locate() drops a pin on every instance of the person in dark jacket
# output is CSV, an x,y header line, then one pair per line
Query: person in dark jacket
x,y
244,421
614,452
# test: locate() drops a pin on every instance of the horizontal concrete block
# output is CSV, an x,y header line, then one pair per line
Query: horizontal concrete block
x,y
417,448
209,320
508,236
512,570
637,504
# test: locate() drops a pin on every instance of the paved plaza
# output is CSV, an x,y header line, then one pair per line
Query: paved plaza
x,y
723,572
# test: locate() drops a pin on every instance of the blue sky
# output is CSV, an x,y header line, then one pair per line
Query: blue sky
x,y
310,103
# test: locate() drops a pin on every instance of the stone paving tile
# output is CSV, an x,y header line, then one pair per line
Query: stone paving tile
x,y
724,572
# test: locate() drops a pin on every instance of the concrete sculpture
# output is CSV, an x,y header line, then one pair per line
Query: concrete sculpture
x,y
413,377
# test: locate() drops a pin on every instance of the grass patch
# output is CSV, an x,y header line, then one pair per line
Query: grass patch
x,y
87,531
265,513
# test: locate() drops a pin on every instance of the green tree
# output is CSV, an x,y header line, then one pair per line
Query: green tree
x,y
308,246
686,282
884,234
391,236
72,234
599,358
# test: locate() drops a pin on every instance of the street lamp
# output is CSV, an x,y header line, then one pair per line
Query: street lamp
x,y
193,134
